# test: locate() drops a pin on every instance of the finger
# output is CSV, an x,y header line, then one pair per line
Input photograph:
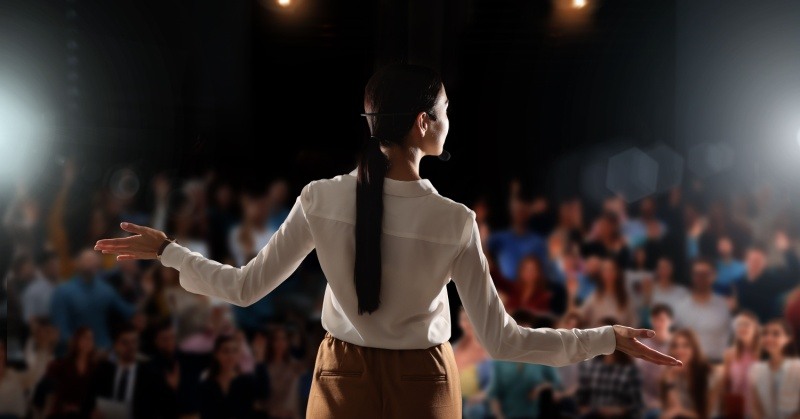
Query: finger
x,y
136,255
644,333
657,356
133,228
113,242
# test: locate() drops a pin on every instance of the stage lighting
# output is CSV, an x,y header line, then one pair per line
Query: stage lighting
x,y
284,3
578,4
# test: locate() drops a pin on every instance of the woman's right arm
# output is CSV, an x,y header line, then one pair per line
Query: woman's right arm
x,y
503,339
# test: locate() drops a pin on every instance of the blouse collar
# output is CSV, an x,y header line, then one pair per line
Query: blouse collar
x,y
406,188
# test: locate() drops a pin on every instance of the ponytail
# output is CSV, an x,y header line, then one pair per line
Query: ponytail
x,y
369,218
393,97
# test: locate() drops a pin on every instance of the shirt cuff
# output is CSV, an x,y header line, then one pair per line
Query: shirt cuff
x,y
602,340
173,254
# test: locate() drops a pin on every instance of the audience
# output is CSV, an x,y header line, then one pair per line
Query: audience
x,y
775,380
474,368
736,363
59,312
664,290
763,289
704,312
511,245
533,291
87,300
225,391
610,298
68,380
661,316
686,391
609,386
515,388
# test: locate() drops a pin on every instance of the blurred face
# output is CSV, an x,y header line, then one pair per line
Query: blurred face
x,y
745,329
702,277
756,262
725,247
464,322
774,339
88,263
661,323
126,346
681,349
255,208
224,196
433,140
529,272
278,192
165,341
228,355
608,274
664,269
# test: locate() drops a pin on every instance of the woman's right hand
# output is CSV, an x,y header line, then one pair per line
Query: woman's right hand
x,y
627,343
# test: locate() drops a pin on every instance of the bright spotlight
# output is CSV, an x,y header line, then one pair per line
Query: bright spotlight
x,y
284,3
578,4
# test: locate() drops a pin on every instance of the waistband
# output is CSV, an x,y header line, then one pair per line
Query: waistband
x,y
330,337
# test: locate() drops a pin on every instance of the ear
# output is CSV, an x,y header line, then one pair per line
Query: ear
x,y
422,123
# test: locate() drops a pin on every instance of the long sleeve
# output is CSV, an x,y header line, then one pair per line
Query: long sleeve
x,y
244,286
499,333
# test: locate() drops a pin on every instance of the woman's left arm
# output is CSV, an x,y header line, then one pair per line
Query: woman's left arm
x,y
239,286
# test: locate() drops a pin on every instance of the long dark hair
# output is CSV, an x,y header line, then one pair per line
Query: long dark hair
x,y
393,97
698,373
620,291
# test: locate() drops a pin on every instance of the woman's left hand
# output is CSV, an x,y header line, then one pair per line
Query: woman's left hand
x,y
143,245
627,342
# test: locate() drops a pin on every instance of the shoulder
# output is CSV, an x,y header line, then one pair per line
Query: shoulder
x,y
326,190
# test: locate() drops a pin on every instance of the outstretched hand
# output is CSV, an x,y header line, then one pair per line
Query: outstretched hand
x,y
627,343
143,245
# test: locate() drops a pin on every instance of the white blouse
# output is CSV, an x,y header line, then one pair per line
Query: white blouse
x,y
428,240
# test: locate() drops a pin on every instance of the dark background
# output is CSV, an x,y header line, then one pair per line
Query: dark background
x,y
538,89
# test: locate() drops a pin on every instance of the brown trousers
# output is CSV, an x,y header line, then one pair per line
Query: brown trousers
x,y
352,381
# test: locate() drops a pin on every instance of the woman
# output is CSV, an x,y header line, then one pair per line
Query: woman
x,y
533,291
474,369
282,368
775,381
610,299
388,244
227,393
685,391
69,379
736,363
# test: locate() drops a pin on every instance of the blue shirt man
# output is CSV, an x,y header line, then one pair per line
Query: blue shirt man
x,y
86,300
